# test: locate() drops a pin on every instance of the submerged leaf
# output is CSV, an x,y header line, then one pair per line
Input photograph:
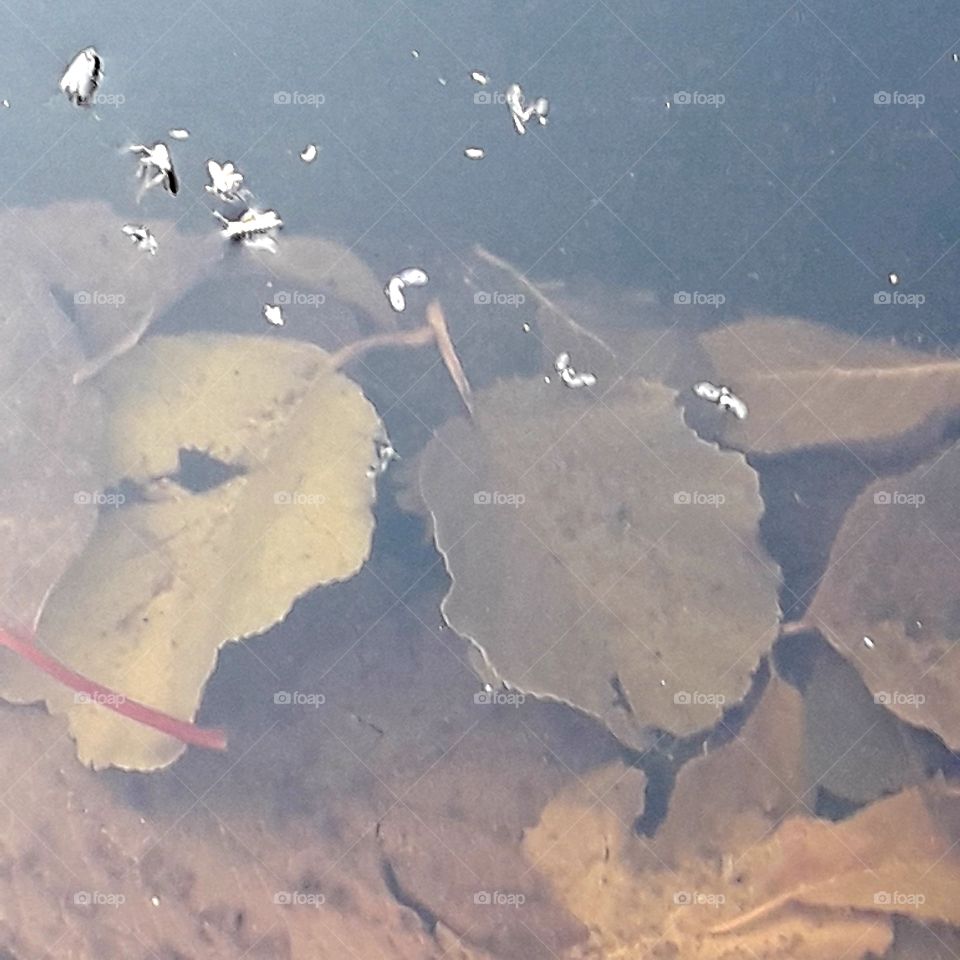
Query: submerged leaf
x,y
666,896
601,554
74,288
894,578
185,565
806,385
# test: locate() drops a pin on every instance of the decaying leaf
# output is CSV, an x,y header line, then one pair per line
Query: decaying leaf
x,y
601,554
179,569
896,856
855,749
806,385
893,578
62,262
715,882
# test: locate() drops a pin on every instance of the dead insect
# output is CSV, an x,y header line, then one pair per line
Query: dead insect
x,y
254,228
408,277
82,77
520,113
224,181
156,166
141,236
385,456
722,396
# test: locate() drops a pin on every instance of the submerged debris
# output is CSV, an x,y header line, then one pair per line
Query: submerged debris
x,y
408,277
569,376
156,166
141,236
273,314
520,113
254,228
309,153
82,77
224,181
722,396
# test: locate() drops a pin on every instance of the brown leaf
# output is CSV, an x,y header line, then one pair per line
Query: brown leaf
x,y
601,554
806,385
893,577
669,895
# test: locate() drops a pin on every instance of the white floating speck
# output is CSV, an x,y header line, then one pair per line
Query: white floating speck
x,y
141,236
526,328
394,293
273,314
442,81
893,279
156,166
474,153
477,77
868,643
415,54
225,181
82,77
309,153
413,277
541,107
562,362
5,104
179,133
155,900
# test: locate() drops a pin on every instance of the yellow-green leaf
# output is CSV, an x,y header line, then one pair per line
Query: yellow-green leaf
x,y
174,572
